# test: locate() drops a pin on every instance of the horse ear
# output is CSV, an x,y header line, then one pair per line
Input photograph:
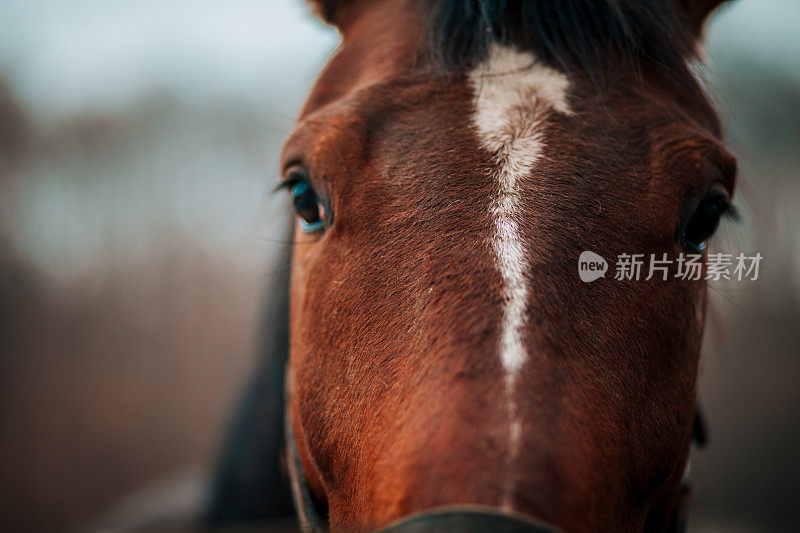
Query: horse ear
x,y
335,12
326,9
697,11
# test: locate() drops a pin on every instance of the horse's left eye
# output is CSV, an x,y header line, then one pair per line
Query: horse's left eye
x,y
308,207
705,219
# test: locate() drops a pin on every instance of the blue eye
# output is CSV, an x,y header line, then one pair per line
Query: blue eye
x,y
308,207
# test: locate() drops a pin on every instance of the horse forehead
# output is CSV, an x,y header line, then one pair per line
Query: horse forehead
x,y
507,101
518,77
506,91
513,95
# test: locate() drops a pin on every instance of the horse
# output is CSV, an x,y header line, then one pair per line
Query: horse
x,y
434,360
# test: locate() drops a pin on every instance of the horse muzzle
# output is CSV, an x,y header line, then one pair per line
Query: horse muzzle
x,y
468,519
461,518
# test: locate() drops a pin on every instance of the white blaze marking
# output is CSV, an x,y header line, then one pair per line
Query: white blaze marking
x,y
514,93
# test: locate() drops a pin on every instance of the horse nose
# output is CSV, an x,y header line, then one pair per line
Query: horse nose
x,y
468,519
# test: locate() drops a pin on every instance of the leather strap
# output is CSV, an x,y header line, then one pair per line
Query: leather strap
x,y
309,516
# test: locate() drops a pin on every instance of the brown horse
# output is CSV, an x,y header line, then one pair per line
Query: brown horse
x,y
447,366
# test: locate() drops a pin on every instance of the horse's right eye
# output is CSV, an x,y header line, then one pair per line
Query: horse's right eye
x,y
705,219
308,207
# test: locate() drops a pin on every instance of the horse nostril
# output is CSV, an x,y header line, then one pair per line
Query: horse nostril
x,y
468,519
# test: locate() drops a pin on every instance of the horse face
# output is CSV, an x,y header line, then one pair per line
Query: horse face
x,y
444,349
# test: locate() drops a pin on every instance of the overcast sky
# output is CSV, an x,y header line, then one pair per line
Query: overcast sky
x,y
66,56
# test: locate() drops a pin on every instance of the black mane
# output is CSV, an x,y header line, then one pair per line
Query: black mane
x,y
593,36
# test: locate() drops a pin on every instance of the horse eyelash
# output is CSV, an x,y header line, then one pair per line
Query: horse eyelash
x,y
733,214
286,184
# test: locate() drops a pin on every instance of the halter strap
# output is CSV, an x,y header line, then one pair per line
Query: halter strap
x,y
307,512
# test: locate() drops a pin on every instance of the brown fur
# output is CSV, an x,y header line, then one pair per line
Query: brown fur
x,y
396,388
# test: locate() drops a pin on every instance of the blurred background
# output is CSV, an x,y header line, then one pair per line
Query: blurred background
x,y
138,146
